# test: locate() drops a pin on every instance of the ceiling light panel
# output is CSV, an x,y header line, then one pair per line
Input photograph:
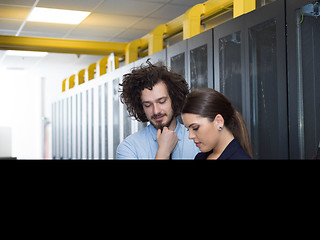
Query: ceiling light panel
x,y
51,15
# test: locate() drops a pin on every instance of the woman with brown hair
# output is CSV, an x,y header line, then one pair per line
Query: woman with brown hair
x,y
215,126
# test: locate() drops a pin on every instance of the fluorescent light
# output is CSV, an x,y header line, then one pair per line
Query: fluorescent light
x,y
51,15
15,69
25,53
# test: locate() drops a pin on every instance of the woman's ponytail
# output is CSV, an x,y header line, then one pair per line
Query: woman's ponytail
x,y
240,131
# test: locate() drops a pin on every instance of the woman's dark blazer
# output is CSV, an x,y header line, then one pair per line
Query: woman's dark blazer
x,y
233,151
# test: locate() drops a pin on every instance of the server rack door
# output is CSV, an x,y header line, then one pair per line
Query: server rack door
x,y
58,123
65,128
100,122
229,63
200,60
81,127
96,147
77,129
105,115
303,41
54,129
70,119
60,129
110,114
85,97
121,116
267,73
74,126
102,128
90,122
177,59
116,116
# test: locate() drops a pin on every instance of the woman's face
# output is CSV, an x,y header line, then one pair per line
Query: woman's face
x,y
203,132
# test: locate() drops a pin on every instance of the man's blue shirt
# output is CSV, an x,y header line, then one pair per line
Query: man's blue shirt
x,y
143,145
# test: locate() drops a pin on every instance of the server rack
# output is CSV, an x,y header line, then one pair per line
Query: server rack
x,y
106,115
84,120
116,114
81,125
259,38
65,128
96,135
60,129
54,129
73,126
268,80
99,118
193,59
229,63
200,60
104,122
89,99
77,127
69,126
303,42
177,59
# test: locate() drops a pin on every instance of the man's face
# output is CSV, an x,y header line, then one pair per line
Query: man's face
x,y
157,106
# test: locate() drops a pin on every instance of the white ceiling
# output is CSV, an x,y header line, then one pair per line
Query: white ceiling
x,y
110,20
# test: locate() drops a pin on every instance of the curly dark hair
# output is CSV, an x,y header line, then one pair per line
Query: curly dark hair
x,y
146,76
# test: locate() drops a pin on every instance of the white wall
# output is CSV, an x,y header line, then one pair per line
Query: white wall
x,y
5,142
20,110
26,97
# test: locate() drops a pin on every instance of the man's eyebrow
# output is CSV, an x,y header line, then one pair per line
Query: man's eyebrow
x,y
159,99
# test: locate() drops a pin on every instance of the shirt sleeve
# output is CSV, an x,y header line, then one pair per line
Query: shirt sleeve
x,y
126,151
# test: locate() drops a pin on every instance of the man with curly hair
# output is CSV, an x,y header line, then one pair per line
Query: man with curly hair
x,y
154,94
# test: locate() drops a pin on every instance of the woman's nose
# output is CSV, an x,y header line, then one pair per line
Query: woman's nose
x,y
191,135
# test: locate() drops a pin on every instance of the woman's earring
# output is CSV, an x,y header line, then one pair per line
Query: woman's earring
x,y
220,128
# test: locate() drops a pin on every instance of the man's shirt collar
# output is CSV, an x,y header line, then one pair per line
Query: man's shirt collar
x,y
153,131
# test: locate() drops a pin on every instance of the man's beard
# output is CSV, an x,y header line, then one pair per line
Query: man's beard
x,y
160,125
